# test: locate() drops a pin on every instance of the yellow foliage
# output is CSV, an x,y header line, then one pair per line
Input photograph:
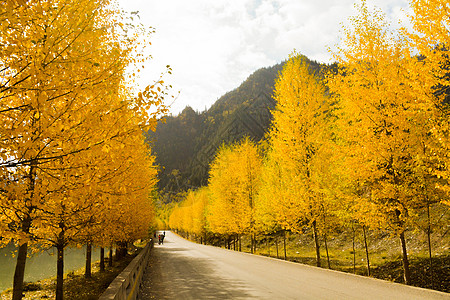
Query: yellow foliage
x,y
233,185
293,173
387,112
73,159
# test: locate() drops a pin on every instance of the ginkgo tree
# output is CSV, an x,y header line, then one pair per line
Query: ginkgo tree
x,y
199,206
233,186
190,216
293,175
175,218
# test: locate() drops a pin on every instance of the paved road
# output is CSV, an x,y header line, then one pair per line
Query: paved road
x,y
183,270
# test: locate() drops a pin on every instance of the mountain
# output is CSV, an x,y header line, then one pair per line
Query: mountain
x,y
186,144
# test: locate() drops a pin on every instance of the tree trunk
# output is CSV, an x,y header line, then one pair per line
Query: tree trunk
x,y
87,269
102,259
110,258
353,247
406,271
60,268
284,243
367,250
429,245
20,271
326,250
316,241
121,250
124,249
253,245
325,236
276,246
240,243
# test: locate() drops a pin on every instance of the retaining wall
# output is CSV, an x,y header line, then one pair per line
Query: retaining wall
x,y
126,285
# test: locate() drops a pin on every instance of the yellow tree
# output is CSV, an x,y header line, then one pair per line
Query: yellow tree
x,y
233,185
192,211
218,221
188,221
384,118
292,185
176,218
199,213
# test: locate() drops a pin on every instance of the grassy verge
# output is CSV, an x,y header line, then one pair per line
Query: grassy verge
x,y
384,256
76,286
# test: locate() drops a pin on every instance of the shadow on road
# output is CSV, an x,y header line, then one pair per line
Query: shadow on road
x,y
174,273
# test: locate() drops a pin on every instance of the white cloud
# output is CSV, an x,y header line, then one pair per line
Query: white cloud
x,y
213,46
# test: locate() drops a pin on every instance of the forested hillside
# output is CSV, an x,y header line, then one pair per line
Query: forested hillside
x,y
186,144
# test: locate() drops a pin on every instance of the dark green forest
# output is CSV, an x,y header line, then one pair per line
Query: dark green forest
x,y
185,144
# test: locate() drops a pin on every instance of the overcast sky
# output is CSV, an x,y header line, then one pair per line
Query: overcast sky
x,y
214,45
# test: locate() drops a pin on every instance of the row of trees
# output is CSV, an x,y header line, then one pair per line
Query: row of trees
x,y
366,142
74,166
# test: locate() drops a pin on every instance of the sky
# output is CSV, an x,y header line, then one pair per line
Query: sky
x,y
212,46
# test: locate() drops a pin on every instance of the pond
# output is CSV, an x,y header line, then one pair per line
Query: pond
x,y
41,265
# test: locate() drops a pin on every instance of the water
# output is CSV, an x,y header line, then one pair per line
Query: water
x,y
41,265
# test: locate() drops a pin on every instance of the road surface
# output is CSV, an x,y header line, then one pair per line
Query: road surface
x,y
180,269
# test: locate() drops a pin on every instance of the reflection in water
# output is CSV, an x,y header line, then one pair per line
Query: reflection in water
x,y
40,265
